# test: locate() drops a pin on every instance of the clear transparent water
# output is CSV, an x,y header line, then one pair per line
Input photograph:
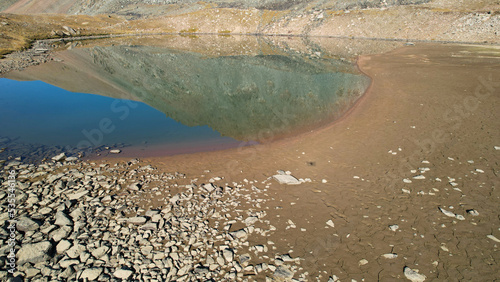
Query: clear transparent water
x,y
150,96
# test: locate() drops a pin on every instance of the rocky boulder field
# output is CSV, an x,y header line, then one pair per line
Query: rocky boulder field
x,y
80,220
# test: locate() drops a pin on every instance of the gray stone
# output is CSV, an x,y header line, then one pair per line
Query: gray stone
x,y
61,233
63,246
123,273
62,219
91,273
413,276
68,262
228,254
26,224
34,253
99,252
75,251
239,234
251,220
137,220
77,195
31,272
149,226
283,272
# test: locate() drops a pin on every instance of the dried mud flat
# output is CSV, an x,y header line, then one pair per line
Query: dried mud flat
x,y
403,187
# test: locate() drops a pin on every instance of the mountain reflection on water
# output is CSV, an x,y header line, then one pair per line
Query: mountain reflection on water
x,y
256,97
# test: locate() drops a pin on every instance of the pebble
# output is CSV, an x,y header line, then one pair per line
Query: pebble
x,y
493,238
330,223
390,256
447,213
116,151
394,227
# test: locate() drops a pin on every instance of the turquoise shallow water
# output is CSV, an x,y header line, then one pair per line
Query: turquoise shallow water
x,y
39,113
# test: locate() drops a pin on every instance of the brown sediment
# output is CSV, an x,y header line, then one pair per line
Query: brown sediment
x,y
433,106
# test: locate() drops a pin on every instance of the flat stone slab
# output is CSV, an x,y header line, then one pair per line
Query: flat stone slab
x,y
286,179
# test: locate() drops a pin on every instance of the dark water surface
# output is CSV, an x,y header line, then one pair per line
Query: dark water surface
x,y
149,96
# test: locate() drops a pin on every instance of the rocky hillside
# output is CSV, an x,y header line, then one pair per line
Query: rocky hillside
x,y
148,7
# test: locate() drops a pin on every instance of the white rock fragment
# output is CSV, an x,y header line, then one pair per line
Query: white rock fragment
x,y
324,181
419,177
122,273
394,227
406,180
333,278
479,170
459,217
497,148
447,213
330,223
228,255
413,275
286,179
405,191
91,273
115,151
390,256
251,220
363,262
493,238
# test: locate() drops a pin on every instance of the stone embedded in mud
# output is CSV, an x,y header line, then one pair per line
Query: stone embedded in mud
x,y
283,272
390,256
413,276
394,227
447,213
493,238
286,179
473,212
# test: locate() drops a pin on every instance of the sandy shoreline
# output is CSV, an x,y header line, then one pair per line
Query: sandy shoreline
x,y
417,148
